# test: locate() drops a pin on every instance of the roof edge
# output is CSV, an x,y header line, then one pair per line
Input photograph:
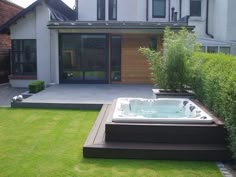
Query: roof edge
x,y
22,13
11,3
116,25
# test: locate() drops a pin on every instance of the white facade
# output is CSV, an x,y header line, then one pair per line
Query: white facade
x,y
34,26
221,18
221,25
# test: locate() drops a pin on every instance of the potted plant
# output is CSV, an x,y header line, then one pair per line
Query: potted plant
x,y
169,71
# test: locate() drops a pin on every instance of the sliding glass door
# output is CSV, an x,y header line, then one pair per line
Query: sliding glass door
x,y
83,58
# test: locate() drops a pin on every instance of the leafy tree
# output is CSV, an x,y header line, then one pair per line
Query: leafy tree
x,y
169,69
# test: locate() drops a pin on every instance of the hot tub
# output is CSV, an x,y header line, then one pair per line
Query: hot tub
x,y
162,110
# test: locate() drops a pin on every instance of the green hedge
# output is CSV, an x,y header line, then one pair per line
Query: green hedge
x,y
36,86
213,78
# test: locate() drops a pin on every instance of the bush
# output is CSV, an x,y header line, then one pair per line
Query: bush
x,y
169,70
36,86
213,78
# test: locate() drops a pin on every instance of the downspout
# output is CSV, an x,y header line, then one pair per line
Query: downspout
x,y
77,9
180,9
169,10
147,10
207,20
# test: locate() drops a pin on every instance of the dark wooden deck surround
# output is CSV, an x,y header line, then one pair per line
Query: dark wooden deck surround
x,y
156,141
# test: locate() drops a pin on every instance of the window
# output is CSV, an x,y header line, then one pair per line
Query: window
x,y
158,8
112,9
84,58
24,57
212,49
225,50
101,9
195,8
115,58
153,43
203,48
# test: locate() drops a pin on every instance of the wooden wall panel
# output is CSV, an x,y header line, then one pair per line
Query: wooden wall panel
x,y
135,67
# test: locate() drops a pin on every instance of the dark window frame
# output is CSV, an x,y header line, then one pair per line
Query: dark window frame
x,y
153,43
158,16
22,52
212,49
120,58
190,7
102,10
87,81
111,8
224,47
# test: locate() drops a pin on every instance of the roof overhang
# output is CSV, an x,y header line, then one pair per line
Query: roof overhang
x,y
122,27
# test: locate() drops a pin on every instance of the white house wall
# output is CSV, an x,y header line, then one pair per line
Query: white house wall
x,y
220,19
141,10
231,30
87,10
43,44
34,26
54,46
25,28
127,10
198,22
211,17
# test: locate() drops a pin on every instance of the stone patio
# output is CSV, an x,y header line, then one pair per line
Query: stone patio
x,y
89,93
7,92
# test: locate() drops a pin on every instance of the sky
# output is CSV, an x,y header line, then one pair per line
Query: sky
x,y
26,3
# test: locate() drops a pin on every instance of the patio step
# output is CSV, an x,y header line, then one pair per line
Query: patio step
x,y
166,133
158,151
82,106
96,146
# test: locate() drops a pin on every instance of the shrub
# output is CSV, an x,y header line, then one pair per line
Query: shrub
x,y
169,70
213,78
36,86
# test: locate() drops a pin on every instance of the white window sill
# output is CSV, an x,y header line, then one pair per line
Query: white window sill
x,y
195,19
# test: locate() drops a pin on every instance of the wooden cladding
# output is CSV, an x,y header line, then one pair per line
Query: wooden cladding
x,y
135,67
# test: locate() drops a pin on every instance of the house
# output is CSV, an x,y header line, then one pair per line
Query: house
x,y
98,41
7,11
214,22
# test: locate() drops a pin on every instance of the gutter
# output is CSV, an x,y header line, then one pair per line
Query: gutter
x,y
207,21
77,9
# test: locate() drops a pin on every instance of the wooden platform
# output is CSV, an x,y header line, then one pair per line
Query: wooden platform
x,y
100,145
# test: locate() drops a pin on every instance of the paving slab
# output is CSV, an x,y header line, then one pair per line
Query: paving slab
x,y
7,92
89,93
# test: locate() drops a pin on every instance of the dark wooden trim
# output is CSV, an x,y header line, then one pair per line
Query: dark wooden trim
x,y
81,106
22,77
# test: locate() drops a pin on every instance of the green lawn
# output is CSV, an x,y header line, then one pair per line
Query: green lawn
x,y
48,143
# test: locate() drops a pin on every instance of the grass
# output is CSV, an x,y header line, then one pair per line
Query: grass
x,y
48,143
